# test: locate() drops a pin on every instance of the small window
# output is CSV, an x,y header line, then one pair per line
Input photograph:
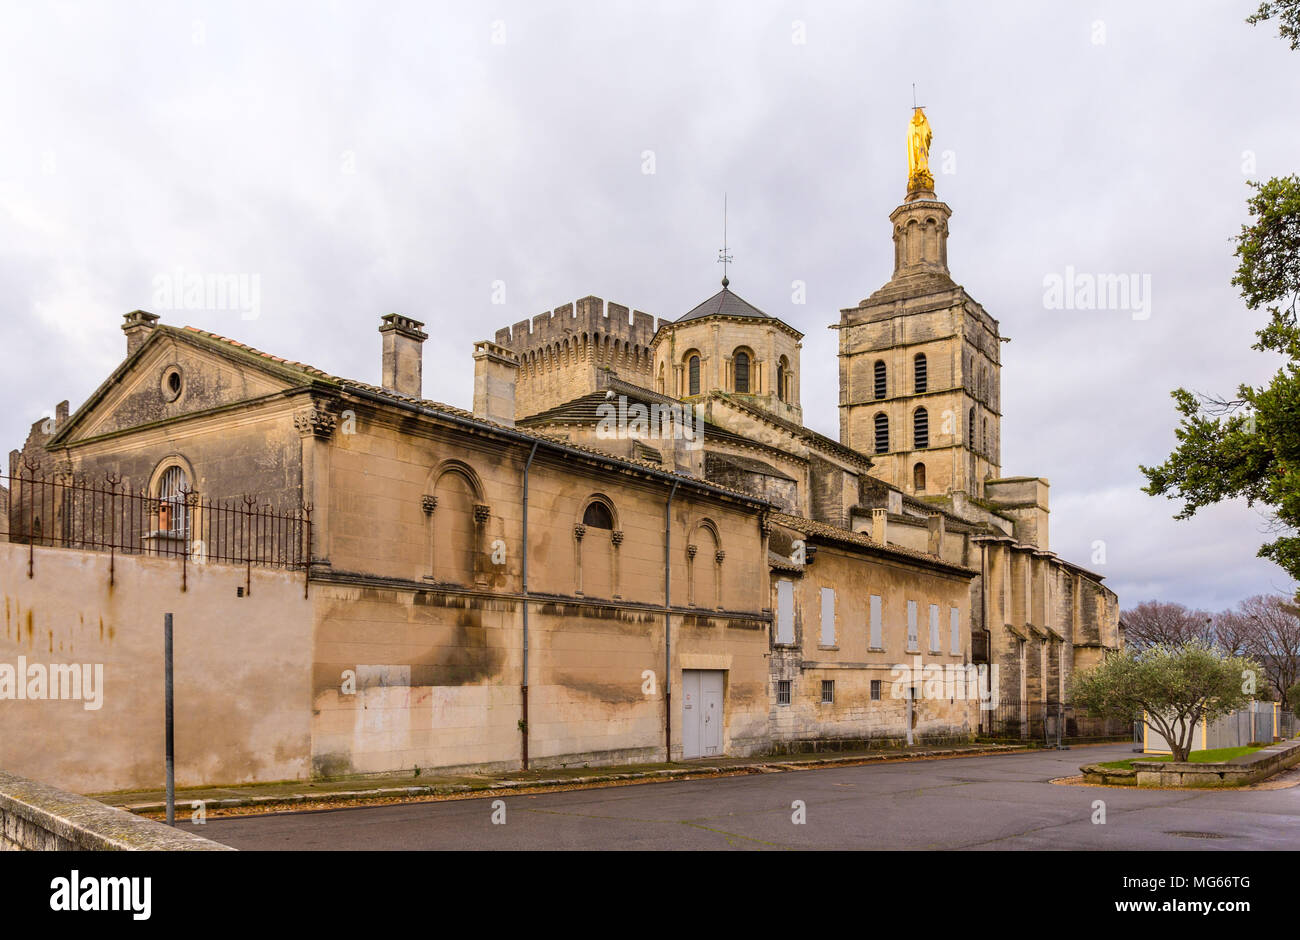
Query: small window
x,y
919,371
920,429
875,690
693,375
598,516
882,385
918,478
882,433
828,691
173,383
783,691
741,365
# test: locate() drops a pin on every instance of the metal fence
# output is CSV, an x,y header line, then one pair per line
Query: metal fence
x,y
1053,723
63,512
1257,722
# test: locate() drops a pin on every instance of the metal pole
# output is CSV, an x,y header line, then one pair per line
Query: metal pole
x,y
170,744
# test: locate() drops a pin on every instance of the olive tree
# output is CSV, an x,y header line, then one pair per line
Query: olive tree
x,y
1176,685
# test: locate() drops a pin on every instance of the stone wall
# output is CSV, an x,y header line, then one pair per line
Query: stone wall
x,y
36,817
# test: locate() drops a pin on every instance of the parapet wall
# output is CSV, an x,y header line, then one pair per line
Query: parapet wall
x,y
35,817
590,315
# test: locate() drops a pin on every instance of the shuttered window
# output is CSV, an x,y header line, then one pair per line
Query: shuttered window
x,y
881,377
882,433
828,616
784,612
954,631
913,639
876,640
935,642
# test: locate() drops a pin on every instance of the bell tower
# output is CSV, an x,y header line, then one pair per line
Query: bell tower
x,y
920,359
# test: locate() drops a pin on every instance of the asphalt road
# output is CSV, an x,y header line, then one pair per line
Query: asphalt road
x,y
994,802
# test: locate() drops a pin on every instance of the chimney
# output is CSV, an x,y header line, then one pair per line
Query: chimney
x,y
402,355
139,324
880,526
934,544
495,372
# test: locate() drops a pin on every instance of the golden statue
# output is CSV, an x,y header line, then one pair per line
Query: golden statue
x,y
918,154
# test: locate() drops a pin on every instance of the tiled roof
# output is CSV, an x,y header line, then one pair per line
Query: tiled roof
x,y
345,384
726,304
834,533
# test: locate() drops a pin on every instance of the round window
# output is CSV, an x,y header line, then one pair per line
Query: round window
x,y
173,383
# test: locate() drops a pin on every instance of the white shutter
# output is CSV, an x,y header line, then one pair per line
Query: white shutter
x,y
784,612
876,639
828,616
912,638
954,630
935,645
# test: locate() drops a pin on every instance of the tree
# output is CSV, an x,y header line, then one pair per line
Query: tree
x,y
1288,14
1274,639
1176,686
1154,622
1293,698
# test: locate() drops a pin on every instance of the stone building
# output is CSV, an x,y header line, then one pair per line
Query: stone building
x,y
631,547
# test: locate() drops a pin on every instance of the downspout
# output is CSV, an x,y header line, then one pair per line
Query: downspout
x,y
523,687
668,625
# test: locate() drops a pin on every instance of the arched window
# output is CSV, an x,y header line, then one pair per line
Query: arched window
x,y
693,375
882,386
782,369
919,372
661,378
598,516
882,433
741,364
173,512
970,430
984,437
920,429
918,478
453,530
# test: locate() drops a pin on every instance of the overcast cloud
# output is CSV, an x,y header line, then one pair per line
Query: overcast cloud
x,y
404,157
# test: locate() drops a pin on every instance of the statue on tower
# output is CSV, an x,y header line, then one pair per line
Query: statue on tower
x,y
918,154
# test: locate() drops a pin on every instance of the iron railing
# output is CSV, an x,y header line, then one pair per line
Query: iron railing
x,y
65,511
1053,723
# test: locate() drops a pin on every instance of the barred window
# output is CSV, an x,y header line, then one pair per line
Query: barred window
x,y
919,372
875,690
783,691
882,433
828,691
741,365
173,513
920,429
882,375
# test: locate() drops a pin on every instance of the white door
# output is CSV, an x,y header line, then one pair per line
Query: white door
x,y
702,713
690,713
711,694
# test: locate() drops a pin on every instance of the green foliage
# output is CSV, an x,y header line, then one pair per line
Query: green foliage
x,y
1288,14
1250,447
1176,686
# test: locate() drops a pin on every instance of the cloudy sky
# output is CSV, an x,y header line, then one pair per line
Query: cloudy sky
x,y
360,159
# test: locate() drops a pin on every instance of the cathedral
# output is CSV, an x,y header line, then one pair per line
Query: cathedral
x,y
630,549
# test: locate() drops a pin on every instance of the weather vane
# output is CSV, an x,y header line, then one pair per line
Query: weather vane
x,y
724,259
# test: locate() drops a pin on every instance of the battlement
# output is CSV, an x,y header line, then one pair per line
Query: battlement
x,y
589,315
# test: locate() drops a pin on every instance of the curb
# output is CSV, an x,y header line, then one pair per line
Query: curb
x,y
766,767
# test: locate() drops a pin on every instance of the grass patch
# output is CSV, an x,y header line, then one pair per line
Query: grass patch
x,y
1213,756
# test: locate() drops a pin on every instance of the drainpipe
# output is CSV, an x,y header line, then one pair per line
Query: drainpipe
x,y
668,625
523,687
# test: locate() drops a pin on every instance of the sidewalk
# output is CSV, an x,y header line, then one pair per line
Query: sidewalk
x,y
396,787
